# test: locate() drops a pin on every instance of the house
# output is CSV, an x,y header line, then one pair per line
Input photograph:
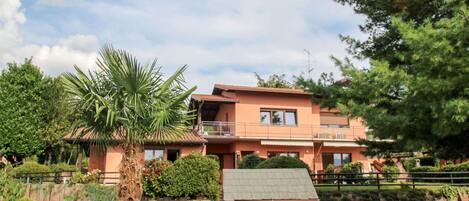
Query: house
x,y
234,121
240,120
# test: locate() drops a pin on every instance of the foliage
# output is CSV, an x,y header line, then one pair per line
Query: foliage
x,y
214,157
372,195
325,89
352,172
192,176
10,190
92,192
152,180
390,173
131,101
409,163
31,110
282,162
415,94
31,167
63,167
89,177
424,169
448,191
274,81
250,161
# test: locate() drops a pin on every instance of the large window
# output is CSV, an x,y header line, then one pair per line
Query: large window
x,y
151,154
278,117
291,154
336,159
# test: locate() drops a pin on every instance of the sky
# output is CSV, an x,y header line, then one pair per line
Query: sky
x,y
221,41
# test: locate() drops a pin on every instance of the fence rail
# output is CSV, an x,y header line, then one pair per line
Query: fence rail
x,y
379,180
64,177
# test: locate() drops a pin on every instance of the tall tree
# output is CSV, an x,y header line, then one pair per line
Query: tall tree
x,y
274,81
131,102
29,110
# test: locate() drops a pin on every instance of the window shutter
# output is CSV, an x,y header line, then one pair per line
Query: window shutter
x,y
329,118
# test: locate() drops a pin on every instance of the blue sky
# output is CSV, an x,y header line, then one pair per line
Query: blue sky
x,y
221,41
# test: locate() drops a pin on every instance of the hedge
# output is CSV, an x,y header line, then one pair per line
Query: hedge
x,y
30,167
152,180
282,162
191,176
63,167
250,161
390,173
352,172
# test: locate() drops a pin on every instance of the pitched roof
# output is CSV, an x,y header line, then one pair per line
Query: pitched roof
x,y
188,138
219,87
268,184
210,97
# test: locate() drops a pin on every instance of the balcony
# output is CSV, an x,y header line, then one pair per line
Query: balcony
x,y
261,131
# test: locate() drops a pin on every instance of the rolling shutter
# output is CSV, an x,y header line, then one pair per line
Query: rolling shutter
x,y
330,118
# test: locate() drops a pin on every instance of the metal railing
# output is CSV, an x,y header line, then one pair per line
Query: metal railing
x,y
258,130
63,177
380,180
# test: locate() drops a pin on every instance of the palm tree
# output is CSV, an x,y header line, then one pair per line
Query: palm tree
x,y
127,101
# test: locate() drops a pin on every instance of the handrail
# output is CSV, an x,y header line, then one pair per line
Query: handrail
x,y
300,131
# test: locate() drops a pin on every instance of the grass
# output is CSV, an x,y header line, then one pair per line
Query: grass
x,y
395,186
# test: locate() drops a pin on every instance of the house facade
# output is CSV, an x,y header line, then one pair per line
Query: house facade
x,y
240,120
234,121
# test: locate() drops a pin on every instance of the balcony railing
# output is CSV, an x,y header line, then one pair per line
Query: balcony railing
x,y
258,130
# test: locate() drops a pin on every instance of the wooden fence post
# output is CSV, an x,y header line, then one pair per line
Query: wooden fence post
x,y
377,181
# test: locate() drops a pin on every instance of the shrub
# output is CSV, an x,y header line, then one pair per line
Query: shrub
x,y
390,173
250,161
89,177
408,163
282,162
352,172
422,170
30,167
63,167
192,176
10,190
152,180
448,191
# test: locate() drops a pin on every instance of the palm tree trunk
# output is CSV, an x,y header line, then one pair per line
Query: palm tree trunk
x,y
130,186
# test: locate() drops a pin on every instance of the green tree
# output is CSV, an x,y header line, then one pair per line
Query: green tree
x,y
420,100
131,102
274,81
31,117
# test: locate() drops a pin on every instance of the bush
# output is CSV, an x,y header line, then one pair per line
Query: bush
x,y
63,167
10,190
250,161
390,173
89,177
352,172
152,180
192,176
448,191
214,157
282,162
409,163
30,167
423,169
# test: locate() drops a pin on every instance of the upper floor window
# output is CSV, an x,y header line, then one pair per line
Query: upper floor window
x,y
278,117
290,154
333,120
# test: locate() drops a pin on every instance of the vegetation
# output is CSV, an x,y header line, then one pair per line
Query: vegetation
x,y
31,167
274,81
129,101
372,195
192,176
282,162
10,190
92,192
152,180
89,177
249,161
352,172
390,173
63,167
415,90
33,113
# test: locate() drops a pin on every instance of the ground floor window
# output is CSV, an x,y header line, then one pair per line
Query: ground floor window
x,y
173,155
336,159
151,154
291,154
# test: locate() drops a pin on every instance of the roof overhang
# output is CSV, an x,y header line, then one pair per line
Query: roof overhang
x,y
341,144
288,143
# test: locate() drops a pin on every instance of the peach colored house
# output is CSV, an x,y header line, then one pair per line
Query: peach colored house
x,y
235,121
239,120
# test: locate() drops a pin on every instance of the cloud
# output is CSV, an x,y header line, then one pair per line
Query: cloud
x,y
76,49
221,41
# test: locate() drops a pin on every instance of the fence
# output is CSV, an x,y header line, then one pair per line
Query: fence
x,y
63,177
379,180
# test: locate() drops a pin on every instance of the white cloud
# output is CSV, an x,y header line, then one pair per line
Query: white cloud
x,y
76,49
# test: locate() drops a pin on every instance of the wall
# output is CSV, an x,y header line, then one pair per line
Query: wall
x,y
226,109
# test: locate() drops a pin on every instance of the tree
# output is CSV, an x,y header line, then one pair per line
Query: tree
x,y
274,81
325,90
30,111
130,102
420,99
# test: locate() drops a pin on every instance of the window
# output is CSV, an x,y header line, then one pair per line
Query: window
x,y
337,159
278,117
150,154
290,154
333,120
173,154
